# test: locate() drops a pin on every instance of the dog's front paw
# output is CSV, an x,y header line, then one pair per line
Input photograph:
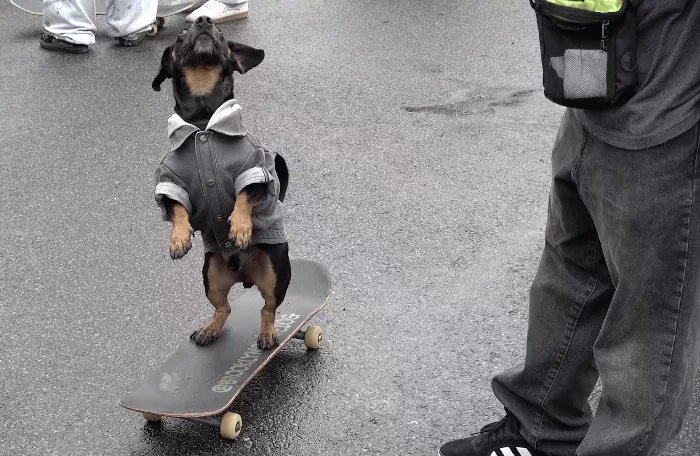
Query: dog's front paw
x,y
241,230
205,335
267,340
180,242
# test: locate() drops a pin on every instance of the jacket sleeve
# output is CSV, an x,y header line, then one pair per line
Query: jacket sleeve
x,y
257,171
170,187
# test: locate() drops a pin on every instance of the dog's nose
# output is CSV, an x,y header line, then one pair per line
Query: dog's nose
x,y
204,19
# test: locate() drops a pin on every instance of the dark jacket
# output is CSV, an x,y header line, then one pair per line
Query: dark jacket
x,y
205,171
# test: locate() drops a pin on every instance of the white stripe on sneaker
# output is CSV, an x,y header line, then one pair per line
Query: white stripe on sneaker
x,y
524,452
507,452
494,454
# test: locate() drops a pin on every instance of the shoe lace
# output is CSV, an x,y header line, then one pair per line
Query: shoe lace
x,y
505,430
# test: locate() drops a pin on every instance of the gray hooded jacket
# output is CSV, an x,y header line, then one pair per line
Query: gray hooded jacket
x,y
205,171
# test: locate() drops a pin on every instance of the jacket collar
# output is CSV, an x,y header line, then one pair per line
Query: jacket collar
x,y
227,120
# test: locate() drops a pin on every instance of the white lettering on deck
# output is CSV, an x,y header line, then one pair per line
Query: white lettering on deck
x,y
253,354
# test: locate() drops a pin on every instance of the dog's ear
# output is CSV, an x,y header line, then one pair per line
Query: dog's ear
x,y
166,69
244,57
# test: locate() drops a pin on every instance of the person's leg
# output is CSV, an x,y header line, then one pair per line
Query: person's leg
x,y
69,25
546,397
646,207
130,19
569,299
221,10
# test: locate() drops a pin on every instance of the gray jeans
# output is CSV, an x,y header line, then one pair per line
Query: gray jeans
x,y
74,20
616,295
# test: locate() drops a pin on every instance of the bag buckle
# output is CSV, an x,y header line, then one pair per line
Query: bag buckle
x,y
604,38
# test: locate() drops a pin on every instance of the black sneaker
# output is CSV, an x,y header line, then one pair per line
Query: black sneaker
x,y
131,40
496,439
51,43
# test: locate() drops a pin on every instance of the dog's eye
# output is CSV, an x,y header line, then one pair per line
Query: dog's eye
x,y
183,32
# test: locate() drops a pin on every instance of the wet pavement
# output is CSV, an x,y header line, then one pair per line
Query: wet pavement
x,y
418,142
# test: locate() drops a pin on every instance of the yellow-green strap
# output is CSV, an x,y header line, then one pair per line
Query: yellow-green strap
x,y
598,6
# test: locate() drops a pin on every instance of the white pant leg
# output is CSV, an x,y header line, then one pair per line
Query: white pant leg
x,y
70,20
125,17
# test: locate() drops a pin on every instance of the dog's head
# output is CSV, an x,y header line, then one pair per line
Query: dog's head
x,y
201,63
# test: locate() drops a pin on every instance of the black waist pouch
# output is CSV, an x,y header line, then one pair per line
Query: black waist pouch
x,y
589,59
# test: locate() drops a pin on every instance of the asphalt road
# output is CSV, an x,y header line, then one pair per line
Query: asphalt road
x,y
418,143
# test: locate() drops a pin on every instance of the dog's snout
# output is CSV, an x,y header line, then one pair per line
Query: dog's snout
x,y
204,20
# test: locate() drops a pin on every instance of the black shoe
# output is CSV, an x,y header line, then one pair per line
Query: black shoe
x,y
496,439
132,40
51,43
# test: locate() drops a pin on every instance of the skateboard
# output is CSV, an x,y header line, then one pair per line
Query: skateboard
x,y
200,382
37,7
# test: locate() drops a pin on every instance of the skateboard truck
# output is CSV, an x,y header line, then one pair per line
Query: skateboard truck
x,y
229,424
158,24
312,337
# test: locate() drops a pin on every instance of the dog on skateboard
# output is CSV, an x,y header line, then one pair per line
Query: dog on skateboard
x,y
219,180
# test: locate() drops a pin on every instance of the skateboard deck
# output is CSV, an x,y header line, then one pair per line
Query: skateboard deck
x,y
197,382
37,7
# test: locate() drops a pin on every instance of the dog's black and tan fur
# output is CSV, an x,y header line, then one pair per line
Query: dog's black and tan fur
x,y
201,65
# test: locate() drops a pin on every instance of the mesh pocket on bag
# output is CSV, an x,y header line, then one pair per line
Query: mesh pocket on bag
x,y
583,72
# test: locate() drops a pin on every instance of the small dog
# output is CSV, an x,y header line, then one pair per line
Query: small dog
x,y
219,180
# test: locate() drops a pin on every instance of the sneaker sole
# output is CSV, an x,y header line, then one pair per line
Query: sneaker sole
x,y
440,453
59,48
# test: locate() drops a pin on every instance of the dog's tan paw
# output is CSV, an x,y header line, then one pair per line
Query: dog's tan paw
x,y
209,332
205,335
267,340
180,242
241,230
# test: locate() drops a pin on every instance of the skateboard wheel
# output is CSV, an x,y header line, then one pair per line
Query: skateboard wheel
x,y
312,338
150,417
231,424
153,31
160,22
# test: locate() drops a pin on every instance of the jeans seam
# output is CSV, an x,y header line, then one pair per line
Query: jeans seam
x,y
645,437
568,344
585,139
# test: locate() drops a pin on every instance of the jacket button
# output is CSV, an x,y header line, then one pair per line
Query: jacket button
x,y
203,138
219,219
210,183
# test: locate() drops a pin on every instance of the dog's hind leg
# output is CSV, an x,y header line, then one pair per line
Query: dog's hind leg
x,y
271,273
218,280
